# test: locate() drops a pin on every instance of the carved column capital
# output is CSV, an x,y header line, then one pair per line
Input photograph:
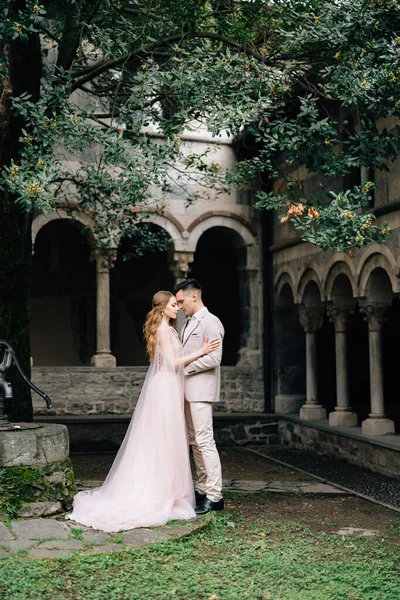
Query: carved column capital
x,y
105,258
374,315
181,264
311,318
339,316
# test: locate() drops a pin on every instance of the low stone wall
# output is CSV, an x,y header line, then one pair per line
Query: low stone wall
x,y
364,453
36,476
115,391
105,434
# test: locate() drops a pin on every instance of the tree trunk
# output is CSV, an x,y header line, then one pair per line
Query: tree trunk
x,y
25,68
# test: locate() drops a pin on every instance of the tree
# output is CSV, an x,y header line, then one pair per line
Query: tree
x,y
86,78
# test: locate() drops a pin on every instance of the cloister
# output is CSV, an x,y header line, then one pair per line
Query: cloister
x,y
337,321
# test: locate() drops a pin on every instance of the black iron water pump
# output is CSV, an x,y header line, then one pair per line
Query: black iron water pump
x,y
9,359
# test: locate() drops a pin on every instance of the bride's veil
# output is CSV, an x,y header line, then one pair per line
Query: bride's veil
x,y
164,380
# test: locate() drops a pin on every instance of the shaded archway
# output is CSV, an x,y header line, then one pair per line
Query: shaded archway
x,y
375,358
134,279
219,265
289,356
63,296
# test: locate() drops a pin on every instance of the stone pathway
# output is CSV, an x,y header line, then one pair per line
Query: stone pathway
x,y
275,487
54,538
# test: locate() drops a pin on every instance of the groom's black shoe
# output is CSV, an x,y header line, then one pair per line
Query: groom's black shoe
x,y
208,505
199,497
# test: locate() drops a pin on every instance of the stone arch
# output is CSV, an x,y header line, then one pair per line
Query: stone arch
x,y
43,219
308,276
339,268
241,235
289,349
63,293
377,260
222,213
171,225
284,277
245,233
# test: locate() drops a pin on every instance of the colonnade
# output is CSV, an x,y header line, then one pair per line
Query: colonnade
x,y
311,319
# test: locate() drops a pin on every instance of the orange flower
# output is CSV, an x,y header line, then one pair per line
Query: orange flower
x,y
312,212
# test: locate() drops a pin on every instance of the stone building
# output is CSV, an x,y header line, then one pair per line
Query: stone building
x,y
336,330
88,305
324,325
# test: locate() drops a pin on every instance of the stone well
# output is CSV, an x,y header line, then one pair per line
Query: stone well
x,y
36,475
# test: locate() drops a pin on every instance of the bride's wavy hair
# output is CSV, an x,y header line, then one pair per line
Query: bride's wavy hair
x,y
154,319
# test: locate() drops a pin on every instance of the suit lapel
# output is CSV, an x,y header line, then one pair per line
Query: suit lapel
x,y
187,336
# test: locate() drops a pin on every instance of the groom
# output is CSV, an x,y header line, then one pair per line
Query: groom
x,y
202,386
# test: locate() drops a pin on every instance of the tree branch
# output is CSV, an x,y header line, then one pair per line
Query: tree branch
x,y
96,69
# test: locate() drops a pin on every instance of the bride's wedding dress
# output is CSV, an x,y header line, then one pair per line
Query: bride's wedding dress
x,y
150,481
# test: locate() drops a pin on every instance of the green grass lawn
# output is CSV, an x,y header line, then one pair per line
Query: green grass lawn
x,y
255,550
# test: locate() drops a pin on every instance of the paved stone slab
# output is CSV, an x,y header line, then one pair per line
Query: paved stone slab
x,y
96,537
62,545
248,486
16,545
106,548
226,483
5,533
4,554
321,488
304,487
76,525
35,529
357,531
139,537
175,529
48,553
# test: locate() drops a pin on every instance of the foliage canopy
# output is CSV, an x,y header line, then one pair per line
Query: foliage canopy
x,y
311,83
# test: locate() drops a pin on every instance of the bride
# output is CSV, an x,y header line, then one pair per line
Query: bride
x,y
150,481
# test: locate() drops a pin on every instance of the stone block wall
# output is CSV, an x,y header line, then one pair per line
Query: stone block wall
x,y
379,459
96,391
36,475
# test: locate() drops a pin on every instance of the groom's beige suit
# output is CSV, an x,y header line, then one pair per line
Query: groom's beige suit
x,y
202,389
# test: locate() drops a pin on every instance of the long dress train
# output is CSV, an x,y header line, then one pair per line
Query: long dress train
x,y
150,481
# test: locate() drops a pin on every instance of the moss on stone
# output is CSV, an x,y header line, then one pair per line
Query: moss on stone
x,y
23,484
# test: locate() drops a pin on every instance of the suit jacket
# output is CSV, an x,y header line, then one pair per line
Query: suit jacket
x,y
203,376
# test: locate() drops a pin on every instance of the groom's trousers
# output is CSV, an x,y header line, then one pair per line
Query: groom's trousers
x,y
206,458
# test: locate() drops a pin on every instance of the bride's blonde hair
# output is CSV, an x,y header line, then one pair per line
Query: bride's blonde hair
x,y
154,319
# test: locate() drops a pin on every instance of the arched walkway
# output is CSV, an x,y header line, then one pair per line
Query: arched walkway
x,y
218,265
134,279
63,295
289,356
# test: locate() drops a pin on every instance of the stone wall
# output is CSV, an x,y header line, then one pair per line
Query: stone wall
x,y
36,475
115,391
377,458
105,434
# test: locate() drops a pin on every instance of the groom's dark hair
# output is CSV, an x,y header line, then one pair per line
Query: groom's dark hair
x,y
187,285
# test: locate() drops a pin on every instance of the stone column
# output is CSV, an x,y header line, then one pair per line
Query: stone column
x,y
103,356
376,423
181,264
311,319
342,415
